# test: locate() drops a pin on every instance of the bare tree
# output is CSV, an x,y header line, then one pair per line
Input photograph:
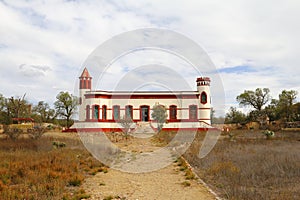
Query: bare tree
x,y
126,123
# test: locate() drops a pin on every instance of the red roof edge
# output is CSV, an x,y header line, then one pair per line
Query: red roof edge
x,y
85,73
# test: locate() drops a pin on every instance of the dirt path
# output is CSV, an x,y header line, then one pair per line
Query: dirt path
x,y
163,184
166,183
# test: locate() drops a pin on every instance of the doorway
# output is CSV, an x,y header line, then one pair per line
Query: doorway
x,y
145,113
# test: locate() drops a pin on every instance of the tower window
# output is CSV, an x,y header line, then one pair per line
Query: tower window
x,y
203,98
84,84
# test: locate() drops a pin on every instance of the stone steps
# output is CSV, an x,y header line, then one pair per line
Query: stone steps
x,y
143,130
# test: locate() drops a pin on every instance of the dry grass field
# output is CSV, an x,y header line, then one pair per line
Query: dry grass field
x,y
243,166
247,166
52,167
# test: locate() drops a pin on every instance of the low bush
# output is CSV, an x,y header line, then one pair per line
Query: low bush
x,y
13,133
186,183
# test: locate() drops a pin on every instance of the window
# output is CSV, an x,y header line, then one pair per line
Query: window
x,y
116,112
173,112
96,112
128,112
203,98
84,84
87,112
104,112
193,112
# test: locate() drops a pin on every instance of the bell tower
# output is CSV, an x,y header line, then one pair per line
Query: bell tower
x,y
85,80
203,88
85,84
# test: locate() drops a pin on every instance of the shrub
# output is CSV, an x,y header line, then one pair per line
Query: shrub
x,y
13,133
189,175
110,197
269,134
75,181
37,132
225,168
58,144
186,183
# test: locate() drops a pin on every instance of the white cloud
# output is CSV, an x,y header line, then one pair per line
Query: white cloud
x,y
263,35
34,70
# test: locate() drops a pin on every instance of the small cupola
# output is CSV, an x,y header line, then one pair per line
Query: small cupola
x,y
85,80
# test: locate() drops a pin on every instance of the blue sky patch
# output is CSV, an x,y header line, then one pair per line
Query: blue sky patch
x,y
237,69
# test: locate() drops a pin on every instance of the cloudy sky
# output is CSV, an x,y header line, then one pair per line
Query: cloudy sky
x,y
43,44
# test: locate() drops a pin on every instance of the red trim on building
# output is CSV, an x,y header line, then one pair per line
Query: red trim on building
x,y
140,96
120,130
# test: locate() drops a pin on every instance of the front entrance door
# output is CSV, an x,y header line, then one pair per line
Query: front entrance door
x,y
145,113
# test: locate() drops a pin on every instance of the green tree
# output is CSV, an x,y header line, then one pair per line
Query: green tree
x,y
2,102
235,117
159,114
65,106
296,111
257,99
3,115
18,107
285,104
44,112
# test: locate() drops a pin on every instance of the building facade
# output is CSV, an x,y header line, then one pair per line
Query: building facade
x,y
101,110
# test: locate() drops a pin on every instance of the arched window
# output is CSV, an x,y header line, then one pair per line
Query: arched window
x,y
203,98
193,112
116,112
173,112
104,112
87,112
128,112
96,112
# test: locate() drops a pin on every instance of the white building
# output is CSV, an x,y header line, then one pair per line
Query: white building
x,y
100,110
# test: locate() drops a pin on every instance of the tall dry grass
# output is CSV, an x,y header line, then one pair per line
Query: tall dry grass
x,y
251,167
33,169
